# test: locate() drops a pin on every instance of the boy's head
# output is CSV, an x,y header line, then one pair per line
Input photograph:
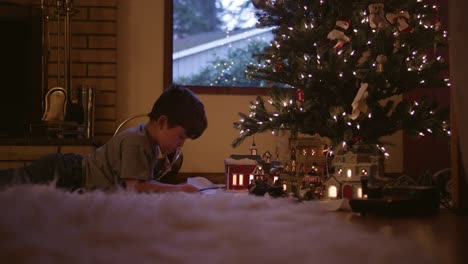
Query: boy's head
x,y
182,108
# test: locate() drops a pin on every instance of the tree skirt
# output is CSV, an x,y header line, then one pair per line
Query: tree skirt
x,y
40,224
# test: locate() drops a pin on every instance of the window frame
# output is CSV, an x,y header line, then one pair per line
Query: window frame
x,y
167,74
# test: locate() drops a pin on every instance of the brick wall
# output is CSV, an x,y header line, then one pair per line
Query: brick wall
x,y
94,57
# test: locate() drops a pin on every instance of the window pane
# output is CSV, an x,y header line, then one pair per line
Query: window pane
x,y
213,42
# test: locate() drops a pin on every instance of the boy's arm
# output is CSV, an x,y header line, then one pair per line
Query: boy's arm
x,y
154,186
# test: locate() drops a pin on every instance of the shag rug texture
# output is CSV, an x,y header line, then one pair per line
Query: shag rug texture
x,y
40,224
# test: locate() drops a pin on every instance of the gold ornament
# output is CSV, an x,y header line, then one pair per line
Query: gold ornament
x,y
381,60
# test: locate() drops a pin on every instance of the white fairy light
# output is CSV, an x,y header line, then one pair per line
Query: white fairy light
x,y
422,134
369,115
334,117
412,112
429,130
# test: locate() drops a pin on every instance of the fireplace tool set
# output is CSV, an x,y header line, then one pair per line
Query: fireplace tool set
x,y
66,111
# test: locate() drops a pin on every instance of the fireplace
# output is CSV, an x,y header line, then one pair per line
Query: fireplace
x,y
20,69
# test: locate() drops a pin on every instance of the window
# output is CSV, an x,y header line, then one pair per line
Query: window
x,y
332,192
234,179
209,43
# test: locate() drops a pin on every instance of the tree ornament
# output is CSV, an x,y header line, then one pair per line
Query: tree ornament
x,y
377,16
338,33
396,45
401,19
279,65
300,95
359,103
381,60
437,25
364,57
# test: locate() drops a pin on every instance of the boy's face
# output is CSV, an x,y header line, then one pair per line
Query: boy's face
x,y
168,138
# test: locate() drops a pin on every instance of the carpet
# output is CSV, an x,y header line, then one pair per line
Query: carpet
x,y
40,224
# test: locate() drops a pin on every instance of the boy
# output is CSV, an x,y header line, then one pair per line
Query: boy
x,y
129,159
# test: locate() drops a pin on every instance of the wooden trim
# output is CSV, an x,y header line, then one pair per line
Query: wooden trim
x,y
168,46
228,90
459,185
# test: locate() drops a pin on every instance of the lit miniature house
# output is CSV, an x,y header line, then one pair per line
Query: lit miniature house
x,y
239,171
310,153
349,167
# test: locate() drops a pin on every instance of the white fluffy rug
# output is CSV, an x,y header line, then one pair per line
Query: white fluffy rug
x,y
39,224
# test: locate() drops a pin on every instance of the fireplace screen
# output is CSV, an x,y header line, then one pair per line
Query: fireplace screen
x,y
20,69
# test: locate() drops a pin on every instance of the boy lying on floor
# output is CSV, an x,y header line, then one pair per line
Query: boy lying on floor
x,y
131,158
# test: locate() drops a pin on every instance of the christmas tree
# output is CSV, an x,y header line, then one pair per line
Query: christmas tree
x,y
340,68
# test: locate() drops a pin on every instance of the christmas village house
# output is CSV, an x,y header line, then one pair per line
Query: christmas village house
x,y
350,168
243,170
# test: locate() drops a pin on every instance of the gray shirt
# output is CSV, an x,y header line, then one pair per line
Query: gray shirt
x,y
128,155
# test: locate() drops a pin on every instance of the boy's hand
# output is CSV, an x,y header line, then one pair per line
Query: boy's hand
x,y
188,188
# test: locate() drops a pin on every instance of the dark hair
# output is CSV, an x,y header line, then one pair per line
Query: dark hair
x,y
182,108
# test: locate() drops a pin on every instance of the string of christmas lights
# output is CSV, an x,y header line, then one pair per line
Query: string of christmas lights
x,y
341,68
